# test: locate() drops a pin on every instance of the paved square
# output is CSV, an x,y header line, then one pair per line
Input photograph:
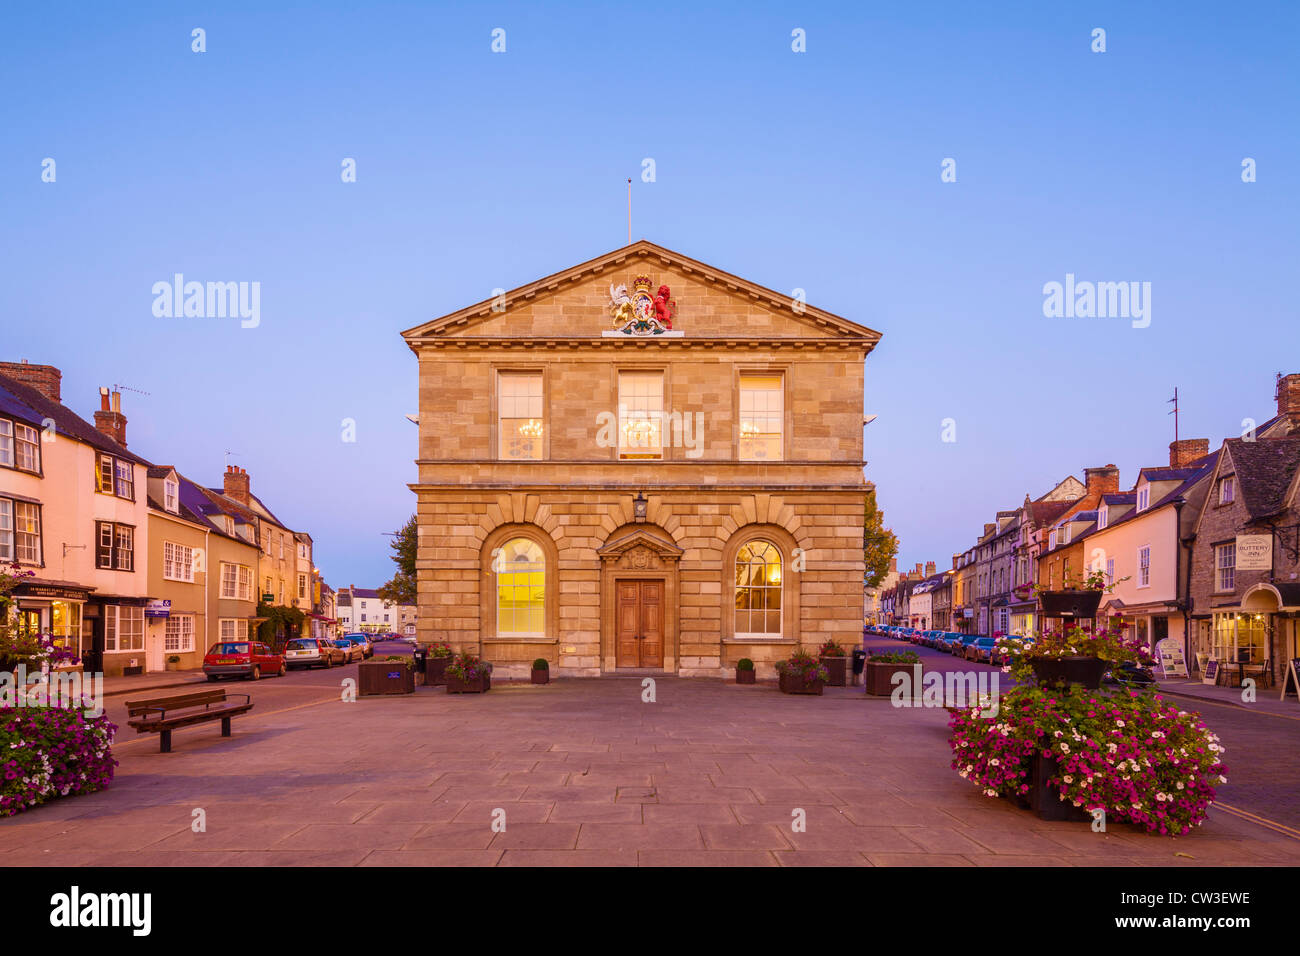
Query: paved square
x,y
585,774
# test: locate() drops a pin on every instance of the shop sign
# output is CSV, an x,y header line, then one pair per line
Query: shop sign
x,y
1254,552
158,608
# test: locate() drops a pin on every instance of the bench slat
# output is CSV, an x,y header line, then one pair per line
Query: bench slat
x,y
154,724
175,703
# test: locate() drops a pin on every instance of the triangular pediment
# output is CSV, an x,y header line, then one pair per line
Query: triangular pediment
x,y
581,303
641,538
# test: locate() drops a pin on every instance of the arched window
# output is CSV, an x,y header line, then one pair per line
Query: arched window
x,y
758,590
521,589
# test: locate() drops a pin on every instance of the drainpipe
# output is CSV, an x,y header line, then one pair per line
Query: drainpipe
x,y
1185,567
207,573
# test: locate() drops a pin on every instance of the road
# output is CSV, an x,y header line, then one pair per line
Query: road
x,y
1262,751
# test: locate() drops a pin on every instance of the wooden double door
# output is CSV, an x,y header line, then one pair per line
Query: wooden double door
x,y
639,622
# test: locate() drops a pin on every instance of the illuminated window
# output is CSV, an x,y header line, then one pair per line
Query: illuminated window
x,y
519,410
521,589
762,415
640,414
758,590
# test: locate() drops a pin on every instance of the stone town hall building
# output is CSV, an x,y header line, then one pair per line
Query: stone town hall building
x,y
640,463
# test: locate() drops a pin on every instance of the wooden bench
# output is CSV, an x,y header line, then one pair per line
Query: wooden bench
x,y
162,715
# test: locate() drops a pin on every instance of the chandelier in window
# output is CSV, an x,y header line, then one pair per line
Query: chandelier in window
x,y
748,430
531,428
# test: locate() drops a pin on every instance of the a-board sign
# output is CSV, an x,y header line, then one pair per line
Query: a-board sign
x,y
1291,680
1211,674
1172,662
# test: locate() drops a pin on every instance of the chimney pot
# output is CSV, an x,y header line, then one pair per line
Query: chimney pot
x,y
110,421
236,485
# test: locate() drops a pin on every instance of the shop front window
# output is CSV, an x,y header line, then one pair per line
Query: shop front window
x,y
65,624
1240,638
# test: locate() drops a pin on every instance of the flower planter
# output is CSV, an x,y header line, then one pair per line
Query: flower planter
x,y
1045,799
1086,671
879,677
540,675
434,668
377,678
838,668
746,676
477,685
796,684
1072,604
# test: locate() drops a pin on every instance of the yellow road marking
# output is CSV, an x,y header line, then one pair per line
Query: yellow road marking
x,y
1256,818
1219,703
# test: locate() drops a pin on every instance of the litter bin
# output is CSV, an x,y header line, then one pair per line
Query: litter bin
x,y
859,664
421,654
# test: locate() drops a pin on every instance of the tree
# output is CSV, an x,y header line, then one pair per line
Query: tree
x,y
879,544
401,589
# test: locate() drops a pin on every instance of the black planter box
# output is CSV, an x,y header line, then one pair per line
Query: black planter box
x,y
1086,671
1069,604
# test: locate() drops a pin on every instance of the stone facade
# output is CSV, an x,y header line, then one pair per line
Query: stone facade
x,y
598,522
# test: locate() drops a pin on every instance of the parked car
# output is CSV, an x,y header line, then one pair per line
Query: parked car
x,y
962,641
981,650
247,659
312,652
353,649
367,645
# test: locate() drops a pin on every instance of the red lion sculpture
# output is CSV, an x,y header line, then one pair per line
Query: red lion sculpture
x,y
665,308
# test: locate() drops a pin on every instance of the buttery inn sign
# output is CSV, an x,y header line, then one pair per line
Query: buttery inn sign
x,y
639,312
1254,552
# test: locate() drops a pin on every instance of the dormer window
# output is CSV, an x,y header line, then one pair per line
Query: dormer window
x,y
1144,497
170,498
1227,490
1103,517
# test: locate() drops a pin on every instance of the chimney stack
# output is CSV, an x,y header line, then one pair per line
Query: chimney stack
x,y
1288,399
109,420
988,529
1187,450
1101,481
236,484
955,559
917,572
893,564
46,379
929,568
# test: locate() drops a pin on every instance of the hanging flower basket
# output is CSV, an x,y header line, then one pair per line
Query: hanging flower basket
x,y
1073,603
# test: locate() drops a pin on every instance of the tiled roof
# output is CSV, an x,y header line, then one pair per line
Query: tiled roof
x,y
31,406
1264,471
1045,512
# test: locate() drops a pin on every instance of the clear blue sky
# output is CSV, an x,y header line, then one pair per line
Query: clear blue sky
x,y
817,170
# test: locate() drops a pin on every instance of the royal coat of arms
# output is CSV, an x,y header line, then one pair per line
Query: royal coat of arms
x,y
639,312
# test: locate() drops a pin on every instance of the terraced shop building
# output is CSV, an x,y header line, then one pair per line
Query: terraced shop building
x,y
641,463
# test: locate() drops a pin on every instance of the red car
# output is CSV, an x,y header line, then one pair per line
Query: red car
x,y
242,659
